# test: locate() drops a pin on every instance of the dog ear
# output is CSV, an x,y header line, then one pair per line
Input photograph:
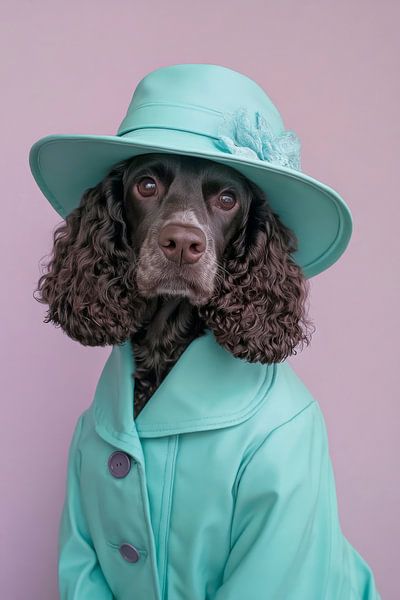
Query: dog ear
x,y
90,284
258,309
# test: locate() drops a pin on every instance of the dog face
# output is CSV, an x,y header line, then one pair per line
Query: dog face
x,y
181,212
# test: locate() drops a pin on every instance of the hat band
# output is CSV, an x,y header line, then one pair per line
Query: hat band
x,y
238,132
182,117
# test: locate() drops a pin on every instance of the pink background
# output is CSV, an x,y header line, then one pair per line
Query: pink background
x,y
332,69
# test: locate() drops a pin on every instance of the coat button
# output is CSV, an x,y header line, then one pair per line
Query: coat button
x,y
119,464
129,552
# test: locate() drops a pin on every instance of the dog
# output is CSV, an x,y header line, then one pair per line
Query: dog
x,y
166,245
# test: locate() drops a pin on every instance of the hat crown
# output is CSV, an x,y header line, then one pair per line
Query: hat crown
x,y
176,95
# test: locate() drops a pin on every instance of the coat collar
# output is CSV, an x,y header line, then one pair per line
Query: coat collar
x,y
207,388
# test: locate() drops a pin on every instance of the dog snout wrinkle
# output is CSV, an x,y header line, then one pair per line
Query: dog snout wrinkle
x,y
182,243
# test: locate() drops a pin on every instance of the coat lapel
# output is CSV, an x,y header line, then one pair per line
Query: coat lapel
x,y
207,388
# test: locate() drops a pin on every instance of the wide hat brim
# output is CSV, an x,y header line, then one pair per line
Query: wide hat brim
x,y
65,166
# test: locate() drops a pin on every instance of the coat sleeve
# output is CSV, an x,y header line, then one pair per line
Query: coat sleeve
x,y
286,540
79,574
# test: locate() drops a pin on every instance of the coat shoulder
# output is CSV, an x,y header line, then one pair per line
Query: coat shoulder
x,y
286,397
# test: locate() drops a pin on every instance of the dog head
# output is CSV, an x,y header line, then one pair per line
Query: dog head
x,y
170,225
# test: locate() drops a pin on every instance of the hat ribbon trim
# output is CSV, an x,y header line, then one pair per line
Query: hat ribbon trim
x,y
238,132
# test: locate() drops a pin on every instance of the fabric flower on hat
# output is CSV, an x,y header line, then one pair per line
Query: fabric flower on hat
x,y
238,135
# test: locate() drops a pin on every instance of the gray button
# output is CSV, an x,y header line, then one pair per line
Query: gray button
x,y
129,552
119,464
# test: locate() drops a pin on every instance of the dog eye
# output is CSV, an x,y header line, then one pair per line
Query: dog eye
x,y
226,201
147,186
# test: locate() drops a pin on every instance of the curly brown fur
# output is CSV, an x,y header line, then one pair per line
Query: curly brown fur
x,y
160,342
90,284
258,301
258,309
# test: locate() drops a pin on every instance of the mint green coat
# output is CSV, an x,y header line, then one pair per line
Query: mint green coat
x,y
230,494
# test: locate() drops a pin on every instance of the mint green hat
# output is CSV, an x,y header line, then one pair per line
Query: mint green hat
x,y
212,112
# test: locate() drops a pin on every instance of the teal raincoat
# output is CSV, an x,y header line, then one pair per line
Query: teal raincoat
x,y
230,492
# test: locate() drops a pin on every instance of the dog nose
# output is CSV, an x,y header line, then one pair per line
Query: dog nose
x,y
182,243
